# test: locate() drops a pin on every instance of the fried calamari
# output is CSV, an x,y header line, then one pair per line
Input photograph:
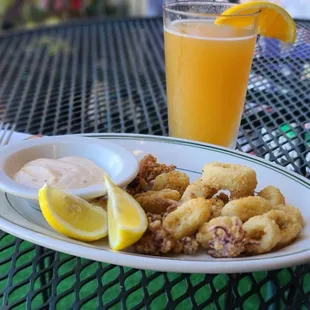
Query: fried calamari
x,y
247,207
239,180
157,240
172,180
218,213
187,218
149,169
158,202
217,206
273,195
223,236
198,189
290,226
291,211
263,234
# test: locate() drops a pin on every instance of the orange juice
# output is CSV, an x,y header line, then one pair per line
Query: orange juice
x,y
207,71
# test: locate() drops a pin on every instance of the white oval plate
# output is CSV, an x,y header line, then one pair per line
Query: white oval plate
x,y
19,219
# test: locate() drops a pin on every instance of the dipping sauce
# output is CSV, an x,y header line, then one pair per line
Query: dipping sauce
x,y
63,173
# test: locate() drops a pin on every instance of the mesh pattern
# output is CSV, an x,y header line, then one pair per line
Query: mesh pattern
x,y
69,282
93,78
110,77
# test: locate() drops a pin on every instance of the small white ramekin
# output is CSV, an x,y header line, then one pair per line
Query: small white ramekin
x,y
120,164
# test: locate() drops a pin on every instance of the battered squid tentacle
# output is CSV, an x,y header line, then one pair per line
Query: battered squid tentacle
x,y
263,234
149,169
289,226
198,189
138,185
239,180
157,240
273,195
247,207
222,237
186,245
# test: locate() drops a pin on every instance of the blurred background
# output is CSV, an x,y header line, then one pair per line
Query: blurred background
x,y
34,13
110,77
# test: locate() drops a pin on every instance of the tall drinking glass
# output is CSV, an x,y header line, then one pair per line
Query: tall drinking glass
x,y
207,70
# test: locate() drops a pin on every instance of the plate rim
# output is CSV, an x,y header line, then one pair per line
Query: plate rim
x,y
206,146
166,265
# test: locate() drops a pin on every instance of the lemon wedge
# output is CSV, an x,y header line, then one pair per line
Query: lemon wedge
x,y
272,22
71,215
126,219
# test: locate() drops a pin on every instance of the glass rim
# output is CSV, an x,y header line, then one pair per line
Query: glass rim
x,y
167,8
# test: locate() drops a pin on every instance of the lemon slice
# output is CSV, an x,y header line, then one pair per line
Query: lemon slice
x,y
273,21
126,219
71,215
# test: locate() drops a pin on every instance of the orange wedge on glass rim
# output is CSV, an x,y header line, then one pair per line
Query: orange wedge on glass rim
x,y
272,20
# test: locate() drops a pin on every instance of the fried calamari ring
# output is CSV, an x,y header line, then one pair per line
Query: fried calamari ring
x,y
272,194
292,211
289,226
158,201
247,207
198,189
223,236
263,234
172,180
239,180
187,218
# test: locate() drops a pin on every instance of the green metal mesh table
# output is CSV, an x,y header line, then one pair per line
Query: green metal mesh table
x,y
89,77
